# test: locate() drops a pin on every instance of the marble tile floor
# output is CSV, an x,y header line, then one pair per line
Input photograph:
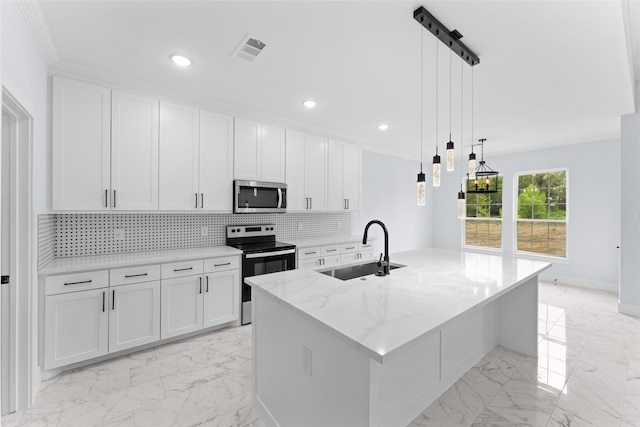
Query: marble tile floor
x,y
587,374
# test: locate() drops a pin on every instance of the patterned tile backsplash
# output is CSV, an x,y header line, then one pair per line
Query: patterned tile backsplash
x,y
95,234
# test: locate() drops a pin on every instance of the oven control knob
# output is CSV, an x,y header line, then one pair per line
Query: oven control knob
x,y
233,230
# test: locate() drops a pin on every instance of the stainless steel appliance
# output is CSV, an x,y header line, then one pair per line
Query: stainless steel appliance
x,y
261,254
259,197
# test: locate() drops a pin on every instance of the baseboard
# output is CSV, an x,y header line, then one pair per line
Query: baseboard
x,y
578,281
630,309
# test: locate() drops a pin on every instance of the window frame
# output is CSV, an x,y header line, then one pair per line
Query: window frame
x,y
501,220
538,255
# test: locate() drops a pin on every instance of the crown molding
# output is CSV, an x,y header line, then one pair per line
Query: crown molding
x,y
40,30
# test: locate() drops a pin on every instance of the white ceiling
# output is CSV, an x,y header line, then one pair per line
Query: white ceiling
x,y
550,73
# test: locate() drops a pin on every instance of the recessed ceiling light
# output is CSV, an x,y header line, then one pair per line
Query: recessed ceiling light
x,y
309,103
383,126
180,60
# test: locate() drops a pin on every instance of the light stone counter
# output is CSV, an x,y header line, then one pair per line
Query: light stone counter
x,y
103,262
390,345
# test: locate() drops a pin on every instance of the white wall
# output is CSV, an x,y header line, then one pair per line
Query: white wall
x,y
630,209
594,208
24,73
389,195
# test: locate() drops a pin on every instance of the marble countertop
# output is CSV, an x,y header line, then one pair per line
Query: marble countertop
x,y
329,240
102,262
383,314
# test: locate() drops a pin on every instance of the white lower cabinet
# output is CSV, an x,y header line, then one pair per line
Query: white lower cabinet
x,y
77,327
221,297
134,315
318,257
181,306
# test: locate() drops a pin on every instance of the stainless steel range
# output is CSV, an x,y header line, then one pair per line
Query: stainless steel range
x,y
261,254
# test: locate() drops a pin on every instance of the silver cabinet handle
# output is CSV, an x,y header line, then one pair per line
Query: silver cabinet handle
x,y
182,269
103,295
114,198
331,250
113,299
310,202
106,198
207,283
201,284
77,283
352,247
220,265
310,253
201,200
196,200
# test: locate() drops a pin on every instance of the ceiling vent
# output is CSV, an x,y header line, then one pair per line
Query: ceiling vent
x,y
249,49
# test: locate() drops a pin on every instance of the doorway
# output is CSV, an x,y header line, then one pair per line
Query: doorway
x,y
17,296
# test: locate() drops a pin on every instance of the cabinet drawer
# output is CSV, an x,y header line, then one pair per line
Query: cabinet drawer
x,y
330,250
221,264
76,282
365,247
313,252
181,269
347,248
139,274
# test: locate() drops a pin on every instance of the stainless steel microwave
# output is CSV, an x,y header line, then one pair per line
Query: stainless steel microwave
x,y
259,197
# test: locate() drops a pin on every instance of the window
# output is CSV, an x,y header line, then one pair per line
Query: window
x,y
483,225
542,213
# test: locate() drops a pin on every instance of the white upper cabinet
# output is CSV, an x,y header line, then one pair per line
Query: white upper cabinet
x,y
105,148
259,152
179,157
306,160
81,143
216,161
134,152
343,176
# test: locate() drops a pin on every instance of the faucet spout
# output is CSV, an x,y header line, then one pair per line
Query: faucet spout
x,y
385,262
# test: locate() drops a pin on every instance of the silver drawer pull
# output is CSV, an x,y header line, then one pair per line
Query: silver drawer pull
x,y
127,276
352,247
331,250
182,269
310,253
78,283
220,265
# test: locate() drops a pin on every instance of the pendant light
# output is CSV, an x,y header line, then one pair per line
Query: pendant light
x,y
436,159
450,150
421,187
486,179
462,202
472,156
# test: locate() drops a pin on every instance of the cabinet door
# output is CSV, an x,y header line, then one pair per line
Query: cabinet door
x,y
272,154
134,315
297,199
315,172
134,152
351,175
216,161
335,198
181,306
81,133
246,150
76,327
221,297
179,154
309,264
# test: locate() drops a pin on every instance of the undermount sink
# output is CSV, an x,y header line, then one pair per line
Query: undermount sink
x,y
358,270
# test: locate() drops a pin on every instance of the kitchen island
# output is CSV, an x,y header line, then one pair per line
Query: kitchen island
x,y
376,351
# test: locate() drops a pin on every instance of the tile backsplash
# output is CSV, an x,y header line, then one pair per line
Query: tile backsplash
x,y
95,234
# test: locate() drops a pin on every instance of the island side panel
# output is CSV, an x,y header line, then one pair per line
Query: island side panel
x,y
519,318
302,374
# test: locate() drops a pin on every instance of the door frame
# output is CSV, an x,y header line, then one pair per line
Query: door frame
x,y
23,283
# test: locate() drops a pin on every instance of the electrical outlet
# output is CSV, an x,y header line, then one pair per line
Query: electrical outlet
x,y
339,225
118,234
204,231
299,226
306,360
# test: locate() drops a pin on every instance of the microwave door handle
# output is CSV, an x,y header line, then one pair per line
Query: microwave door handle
x,y
279,197
270,254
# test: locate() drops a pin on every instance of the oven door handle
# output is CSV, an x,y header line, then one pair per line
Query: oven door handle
x,y
279,197
270,254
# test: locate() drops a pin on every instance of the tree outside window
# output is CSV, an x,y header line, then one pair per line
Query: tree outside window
x,y
542,213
